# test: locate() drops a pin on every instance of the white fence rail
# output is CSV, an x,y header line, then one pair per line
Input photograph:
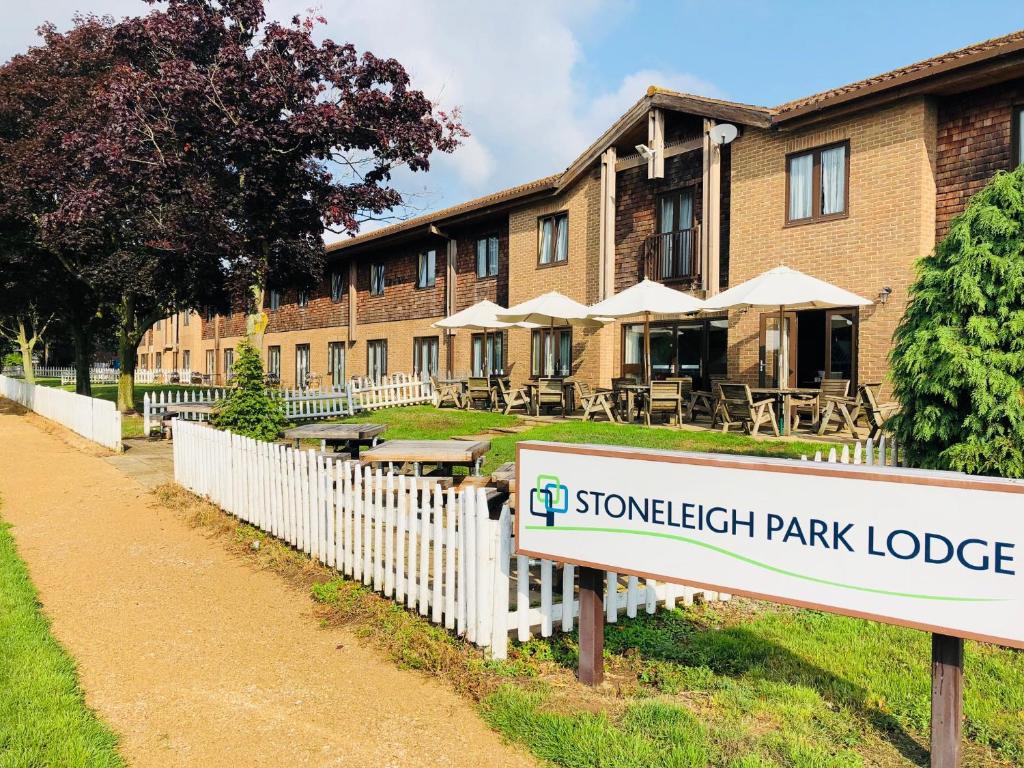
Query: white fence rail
x,y
302,404
437,552
94,419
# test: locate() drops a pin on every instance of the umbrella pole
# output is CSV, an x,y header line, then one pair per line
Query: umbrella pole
x,y
783,379
647,346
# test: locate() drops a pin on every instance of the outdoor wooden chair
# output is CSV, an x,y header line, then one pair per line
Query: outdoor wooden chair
x,y
594,401
816,405
550,394
512,397
447,392
703,400
663,397
621,397
478,389
839,410
736,405
875,412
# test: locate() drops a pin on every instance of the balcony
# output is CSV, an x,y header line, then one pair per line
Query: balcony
x,y
672,257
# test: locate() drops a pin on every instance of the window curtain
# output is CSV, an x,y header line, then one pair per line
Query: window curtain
x,y
536,361
800,184
549,354
481,258
634,345
547,227
562,245
667,221
833,180
478,355
492,256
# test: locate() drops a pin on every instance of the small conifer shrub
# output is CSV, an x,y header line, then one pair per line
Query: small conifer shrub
x,y
250,409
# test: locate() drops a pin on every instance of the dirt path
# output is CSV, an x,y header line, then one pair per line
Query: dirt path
x,y
194,658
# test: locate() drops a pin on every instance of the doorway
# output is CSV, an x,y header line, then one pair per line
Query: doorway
x,y
694,348
822,345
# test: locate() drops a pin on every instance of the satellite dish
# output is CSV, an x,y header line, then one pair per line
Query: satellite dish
x,y
723,133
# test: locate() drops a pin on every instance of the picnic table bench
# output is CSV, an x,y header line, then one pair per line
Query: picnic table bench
x,y
349,436
199,411
440,453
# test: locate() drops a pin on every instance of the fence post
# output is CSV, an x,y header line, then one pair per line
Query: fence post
x,y
947,700
591,665
145,415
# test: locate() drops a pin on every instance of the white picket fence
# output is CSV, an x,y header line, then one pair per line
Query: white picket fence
x,y
302,404
885,453
93,419
389,391
437,552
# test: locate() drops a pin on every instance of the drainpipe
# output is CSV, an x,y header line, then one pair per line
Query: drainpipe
x,y
451,255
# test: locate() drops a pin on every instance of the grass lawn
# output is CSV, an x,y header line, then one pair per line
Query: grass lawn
x,y
43,717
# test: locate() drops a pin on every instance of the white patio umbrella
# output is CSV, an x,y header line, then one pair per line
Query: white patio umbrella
x,y
784,288
554,310
482,316
644,299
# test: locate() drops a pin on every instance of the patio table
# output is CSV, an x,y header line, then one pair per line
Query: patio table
x,y
189,409
352,436
441,453
784,395
633,393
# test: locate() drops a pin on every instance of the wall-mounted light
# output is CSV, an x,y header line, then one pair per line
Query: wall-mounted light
x,y
645,152
884,294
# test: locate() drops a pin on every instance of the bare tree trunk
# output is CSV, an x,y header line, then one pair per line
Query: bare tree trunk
x,y
83,358
26,344
126,352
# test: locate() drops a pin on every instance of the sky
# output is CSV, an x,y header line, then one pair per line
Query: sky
x,y
537,81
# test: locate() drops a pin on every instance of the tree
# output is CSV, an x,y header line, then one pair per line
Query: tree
x,y
958,357
250,409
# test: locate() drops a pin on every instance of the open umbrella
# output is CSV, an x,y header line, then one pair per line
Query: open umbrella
x,y
482,316
554,310
644,299
784,288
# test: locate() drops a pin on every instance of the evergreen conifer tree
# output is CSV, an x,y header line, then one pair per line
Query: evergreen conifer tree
x,y
958,357
250,409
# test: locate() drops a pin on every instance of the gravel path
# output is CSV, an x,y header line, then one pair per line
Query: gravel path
x,y
194,658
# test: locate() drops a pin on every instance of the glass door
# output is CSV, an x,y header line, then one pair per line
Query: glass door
x,y
771,349
841,345
690,349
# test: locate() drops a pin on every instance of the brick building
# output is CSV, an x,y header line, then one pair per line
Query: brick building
x,y
852,185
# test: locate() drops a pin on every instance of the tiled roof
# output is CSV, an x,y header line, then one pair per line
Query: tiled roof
x,y
921,68
469,206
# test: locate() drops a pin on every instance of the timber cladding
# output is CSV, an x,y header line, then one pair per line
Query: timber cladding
x,y
974,142
400,292
891,222
469,289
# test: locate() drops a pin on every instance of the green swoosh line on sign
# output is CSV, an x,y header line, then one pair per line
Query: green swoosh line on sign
x,y
765,566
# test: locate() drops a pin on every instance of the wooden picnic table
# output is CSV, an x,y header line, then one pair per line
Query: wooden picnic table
x,y
785,396
352,436
633,392
568,392
189,409
440,453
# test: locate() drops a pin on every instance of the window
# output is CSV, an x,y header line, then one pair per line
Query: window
x,y
229,364
554,239
211,362
426,274
159,361
377,359
209,315
336,362
1018,135
303,299
274,362
338,286
674,251
424,356
551,352
184,320
275,300
186,360
488,353
816,183
376,279
487,256
302,365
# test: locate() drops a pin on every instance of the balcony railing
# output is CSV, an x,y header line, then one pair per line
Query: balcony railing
x,y
672,257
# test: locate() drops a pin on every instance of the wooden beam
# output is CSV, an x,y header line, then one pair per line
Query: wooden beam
x,y
606,259
759,117
352,299
947,700
591,664
671,150
656,143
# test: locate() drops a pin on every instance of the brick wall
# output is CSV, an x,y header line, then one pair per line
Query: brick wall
x,y
400,266
890,224
974,141
469,289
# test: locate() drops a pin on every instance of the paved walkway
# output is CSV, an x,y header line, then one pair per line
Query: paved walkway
x,y
194,658
148,462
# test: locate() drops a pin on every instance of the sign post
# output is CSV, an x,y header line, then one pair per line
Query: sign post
x,y
935,551
947,700
591,665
